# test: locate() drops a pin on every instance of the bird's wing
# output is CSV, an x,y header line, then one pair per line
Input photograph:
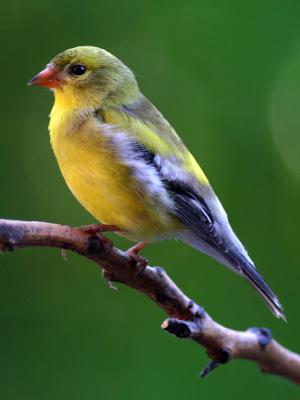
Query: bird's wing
x,y
198,208
155,142
147,126
194,212
193,201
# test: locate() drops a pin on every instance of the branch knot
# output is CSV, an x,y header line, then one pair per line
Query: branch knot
x,y
264,335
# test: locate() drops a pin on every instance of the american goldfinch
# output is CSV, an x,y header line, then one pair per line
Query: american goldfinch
x,y
127,166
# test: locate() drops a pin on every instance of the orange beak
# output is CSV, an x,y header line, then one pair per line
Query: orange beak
x,y
48,78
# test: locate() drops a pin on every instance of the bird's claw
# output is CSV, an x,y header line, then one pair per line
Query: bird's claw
x,y
140,262
94,229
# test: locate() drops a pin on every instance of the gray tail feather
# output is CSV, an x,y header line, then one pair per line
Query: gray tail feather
x,y
249,271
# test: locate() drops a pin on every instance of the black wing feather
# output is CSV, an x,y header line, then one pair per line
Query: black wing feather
x,y
190,208
193,211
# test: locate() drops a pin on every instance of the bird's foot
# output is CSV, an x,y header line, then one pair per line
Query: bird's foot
x,y
94,229
140,262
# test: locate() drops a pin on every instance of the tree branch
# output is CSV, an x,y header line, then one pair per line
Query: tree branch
x,y
186,318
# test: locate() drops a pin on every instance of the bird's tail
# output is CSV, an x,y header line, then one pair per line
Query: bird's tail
x,y
249,271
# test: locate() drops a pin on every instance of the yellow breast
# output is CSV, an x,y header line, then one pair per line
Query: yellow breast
x,y
99,181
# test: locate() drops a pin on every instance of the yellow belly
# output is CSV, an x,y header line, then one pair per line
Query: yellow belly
x,y
105,186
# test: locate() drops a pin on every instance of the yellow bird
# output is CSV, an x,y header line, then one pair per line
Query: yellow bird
x,y
127,166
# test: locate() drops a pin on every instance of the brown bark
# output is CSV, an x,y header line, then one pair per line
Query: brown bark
x,y
185,318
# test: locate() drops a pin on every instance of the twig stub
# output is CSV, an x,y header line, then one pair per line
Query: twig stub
x,y
177,328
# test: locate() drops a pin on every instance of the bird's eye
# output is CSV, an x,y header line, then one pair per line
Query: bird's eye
x,y
78,69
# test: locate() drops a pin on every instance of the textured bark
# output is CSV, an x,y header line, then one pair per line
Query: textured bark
x,y
186,318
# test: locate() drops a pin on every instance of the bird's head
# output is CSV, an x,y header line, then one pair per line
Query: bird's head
x,y
88,76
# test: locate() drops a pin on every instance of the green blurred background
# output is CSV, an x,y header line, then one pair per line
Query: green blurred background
x,y
227,76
